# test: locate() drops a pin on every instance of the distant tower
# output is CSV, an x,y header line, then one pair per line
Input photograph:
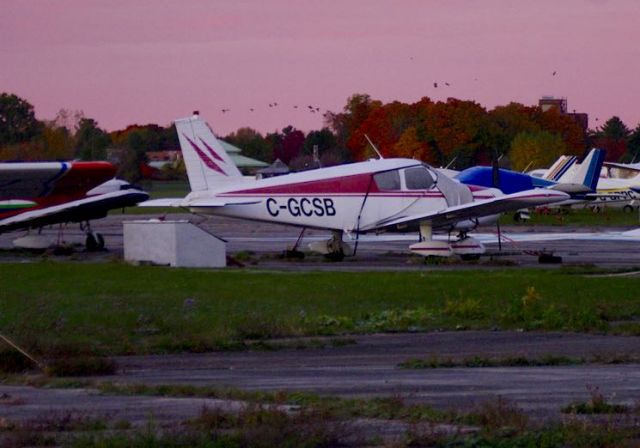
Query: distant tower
x,y
549,102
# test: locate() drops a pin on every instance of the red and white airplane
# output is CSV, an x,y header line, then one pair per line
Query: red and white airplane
x,y
373,196
38,194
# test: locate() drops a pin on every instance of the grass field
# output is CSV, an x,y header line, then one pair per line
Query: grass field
x,y
114,308
580,217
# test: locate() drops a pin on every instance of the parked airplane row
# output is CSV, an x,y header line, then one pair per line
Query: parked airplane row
x,y
372,196
618,184
383,195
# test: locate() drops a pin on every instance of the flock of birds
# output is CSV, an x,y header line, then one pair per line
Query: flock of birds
x,y
311,109
314,109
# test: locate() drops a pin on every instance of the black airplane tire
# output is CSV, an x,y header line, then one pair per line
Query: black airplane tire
x,y
91,244
335,256
628,208
100,241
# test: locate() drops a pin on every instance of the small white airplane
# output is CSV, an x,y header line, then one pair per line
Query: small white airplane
x,y
621,191
372,196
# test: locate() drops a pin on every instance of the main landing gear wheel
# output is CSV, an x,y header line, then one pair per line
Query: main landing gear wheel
x,y
334,248
628,208
335,256
94,242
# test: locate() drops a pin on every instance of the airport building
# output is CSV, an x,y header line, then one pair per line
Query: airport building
x,y
560,104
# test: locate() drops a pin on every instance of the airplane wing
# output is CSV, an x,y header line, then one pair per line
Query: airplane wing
x,y
92,207
634,167
486,207
38,179
204,202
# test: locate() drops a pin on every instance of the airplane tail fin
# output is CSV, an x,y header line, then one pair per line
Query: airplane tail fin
x,y
559,167
209,167
582,177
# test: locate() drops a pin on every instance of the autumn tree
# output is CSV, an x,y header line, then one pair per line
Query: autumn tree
x,y
564,125
454,129
346,124
410,146
290,144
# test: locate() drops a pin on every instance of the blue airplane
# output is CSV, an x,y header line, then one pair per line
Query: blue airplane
x,y
577,179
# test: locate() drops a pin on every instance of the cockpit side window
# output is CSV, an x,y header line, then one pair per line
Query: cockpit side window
x,y
418,178
388,180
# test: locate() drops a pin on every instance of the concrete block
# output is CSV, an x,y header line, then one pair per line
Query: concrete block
x,y
175,243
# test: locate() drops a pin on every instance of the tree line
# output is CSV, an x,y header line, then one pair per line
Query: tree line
x,y
457,132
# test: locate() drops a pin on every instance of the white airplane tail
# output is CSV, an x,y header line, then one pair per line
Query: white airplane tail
x,y
559,167
582,177
209,167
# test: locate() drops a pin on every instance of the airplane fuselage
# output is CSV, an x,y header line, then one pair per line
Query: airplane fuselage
x,y
355,197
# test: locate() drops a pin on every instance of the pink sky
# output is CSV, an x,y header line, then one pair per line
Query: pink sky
x,y
151,61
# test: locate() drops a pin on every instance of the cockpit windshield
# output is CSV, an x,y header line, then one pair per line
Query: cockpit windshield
x,y
413,178
418,178
388,180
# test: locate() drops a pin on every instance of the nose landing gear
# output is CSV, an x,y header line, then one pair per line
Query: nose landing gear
x,y
465,247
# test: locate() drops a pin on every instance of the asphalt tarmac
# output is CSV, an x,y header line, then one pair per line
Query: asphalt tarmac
x,y
601,247
368,367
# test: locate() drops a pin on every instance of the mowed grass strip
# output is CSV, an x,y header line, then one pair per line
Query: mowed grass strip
x,y
114,308
609,216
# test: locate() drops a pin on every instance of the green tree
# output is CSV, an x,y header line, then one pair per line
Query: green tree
x,y
91,141
17,120
613,136
57,142
252,143
530,150
615,129
323,139
633,145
